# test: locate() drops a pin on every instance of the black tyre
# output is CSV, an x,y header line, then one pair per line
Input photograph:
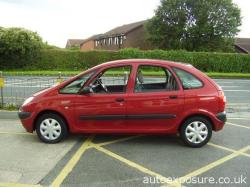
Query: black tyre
x,y
51,128
196,131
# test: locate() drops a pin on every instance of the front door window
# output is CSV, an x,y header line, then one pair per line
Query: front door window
x,y
112,80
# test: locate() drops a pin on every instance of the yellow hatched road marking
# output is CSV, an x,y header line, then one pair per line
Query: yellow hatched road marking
x,y
227,149
233,124
71,164
118,140
88,144
211,165
129,162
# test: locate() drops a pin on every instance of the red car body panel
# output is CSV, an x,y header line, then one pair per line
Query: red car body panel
x,y
152,112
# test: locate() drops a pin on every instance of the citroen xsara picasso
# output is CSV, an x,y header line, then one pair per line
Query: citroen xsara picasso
x,y
129,96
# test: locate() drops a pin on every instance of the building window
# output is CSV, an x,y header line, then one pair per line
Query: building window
x,y
121,40
110,41
96,43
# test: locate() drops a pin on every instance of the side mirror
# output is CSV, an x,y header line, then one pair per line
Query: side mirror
x,y
86,90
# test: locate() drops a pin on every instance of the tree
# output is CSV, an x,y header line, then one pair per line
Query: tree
x,y
195,25
18,46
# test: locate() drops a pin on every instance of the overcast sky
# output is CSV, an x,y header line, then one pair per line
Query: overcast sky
x,y
58,20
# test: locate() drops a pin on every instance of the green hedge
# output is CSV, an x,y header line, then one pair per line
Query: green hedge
x,y
76,60
70,60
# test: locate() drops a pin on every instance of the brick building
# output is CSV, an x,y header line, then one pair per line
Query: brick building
x,y
125,36
133,35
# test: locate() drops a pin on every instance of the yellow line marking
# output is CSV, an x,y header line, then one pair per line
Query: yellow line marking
x,y
238,104
211,165
18,185
118,140
129,163
240,118
227,149
236,125
71,164
17,133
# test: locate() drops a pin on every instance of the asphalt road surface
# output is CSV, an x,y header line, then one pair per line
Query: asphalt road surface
x,y
237,91
17,88
127,161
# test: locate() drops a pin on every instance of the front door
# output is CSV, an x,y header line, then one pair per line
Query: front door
x,y
104,110
155,102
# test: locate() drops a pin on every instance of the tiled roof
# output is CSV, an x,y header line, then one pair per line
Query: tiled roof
x,y
243,44
74,42
124,28
117,31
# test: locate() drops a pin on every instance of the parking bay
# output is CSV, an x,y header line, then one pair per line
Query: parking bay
x,y
109,160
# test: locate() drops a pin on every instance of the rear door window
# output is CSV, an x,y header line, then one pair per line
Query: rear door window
x,y
154,79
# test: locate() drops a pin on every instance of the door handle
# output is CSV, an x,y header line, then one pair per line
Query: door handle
x,y
119,100
173,97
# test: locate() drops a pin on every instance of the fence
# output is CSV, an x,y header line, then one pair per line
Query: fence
x,y
16,88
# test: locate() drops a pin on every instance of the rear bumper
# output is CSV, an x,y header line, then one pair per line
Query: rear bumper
x,y
222,116
219,120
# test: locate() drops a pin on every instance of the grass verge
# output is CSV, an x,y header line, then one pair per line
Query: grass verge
x,y
229,75
41,73
9,107
72,73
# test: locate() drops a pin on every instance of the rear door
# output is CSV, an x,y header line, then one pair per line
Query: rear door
x,y
155,101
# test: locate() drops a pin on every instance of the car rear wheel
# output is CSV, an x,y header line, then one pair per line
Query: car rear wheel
x,y
196,131
51,128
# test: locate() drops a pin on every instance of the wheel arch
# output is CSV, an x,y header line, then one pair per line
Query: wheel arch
x,y
47,112
197,115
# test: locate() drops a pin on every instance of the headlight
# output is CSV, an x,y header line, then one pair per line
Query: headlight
x,y
27,101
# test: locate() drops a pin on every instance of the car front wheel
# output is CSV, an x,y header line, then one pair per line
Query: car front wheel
x,y
51,128
196,131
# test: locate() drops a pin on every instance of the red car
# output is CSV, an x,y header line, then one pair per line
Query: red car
x,y
129,96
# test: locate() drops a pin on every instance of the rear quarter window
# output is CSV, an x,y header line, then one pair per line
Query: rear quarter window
x,y
188,80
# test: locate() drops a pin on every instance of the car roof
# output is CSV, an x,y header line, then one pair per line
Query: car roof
x,y
145,61
181,65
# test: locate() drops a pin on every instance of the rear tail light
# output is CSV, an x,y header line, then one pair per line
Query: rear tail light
x,y
222,101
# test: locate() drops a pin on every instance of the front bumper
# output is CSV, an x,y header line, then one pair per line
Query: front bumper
x,y
222,116
27,120
24,115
